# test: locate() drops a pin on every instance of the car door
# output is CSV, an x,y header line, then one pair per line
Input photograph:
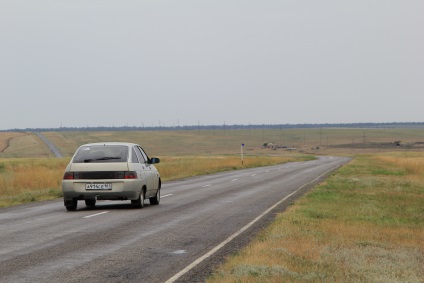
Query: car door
x,y
138,166
154,174
148,171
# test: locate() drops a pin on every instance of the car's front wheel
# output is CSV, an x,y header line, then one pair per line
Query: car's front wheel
x,y
156,199
139,203
71,205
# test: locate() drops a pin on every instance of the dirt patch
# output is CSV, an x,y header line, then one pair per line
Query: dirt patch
x,y
5,145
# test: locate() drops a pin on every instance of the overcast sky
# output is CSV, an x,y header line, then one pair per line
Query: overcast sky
x,y
130,62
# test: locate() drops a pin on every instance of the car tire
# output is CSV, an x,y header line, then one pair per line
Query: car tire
x,y
71,205
90,202
139,203
156,199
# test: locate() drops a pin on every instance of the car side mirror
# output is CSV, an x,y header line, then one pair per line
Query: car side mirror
x,y
154,160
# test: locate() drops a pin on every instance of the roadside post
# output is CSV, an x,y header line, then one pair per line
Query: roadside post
x,y
242,145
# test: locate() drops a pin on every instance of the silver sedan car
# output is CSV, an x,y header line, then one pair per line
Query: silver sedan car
x,y
111,171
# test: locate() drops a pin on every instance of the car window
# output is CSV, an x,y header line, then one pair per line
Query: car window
x,y
134,158
140,155
143,153
101,153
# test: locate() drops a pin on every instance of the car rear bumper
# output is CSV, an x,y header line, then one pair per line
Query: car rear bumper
x,y
121,190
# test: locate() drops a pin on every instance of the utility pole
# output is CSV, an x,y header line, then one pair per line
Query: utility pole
x,y
242,158
281,134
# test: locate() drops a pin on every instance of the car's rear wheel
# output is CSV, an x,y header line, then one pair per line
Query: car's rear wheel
x,y
71,205
156,199
139,203
90,202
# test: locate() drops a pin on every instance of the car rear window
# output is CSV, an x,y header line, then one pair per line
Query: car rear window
x,y
101,153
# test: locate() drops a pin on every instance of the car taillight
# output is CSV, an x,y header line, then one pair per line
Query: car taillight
x,y
130,175
68,176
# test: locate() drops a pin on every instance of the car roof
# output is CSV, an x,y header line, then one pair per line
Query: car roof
x,y
110,143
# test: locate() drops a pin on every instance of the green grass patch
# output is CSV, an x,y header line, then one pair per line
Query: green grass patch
x,y
388,172
29,196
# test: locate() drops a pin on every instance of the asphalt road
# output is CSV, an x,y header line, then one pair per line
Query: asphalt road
x,y
199,221
51,146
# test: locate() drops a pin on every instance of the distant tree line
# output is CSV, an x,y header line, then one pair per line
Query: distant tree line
x,y
225,127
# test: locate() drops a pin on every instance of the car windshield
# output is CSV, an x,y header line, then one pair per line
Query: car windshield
x,y
101,153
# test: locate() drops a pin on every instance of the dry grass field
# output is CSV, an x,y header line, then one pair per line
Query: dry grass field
x,y
219,142
16,145
173,168
24,180
5,140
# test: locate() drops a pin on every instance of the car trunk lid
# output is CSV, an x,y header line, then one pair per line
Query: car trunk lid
x,y
106,166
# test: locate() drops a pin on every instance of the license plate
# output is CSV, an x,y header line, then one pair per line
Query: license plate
x,y
98,187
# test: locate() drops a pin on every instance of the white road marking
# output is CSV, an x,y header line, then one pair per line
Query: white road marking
x,y
205,186
252,175
97,214
179,252
229,239
234,180
168,195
